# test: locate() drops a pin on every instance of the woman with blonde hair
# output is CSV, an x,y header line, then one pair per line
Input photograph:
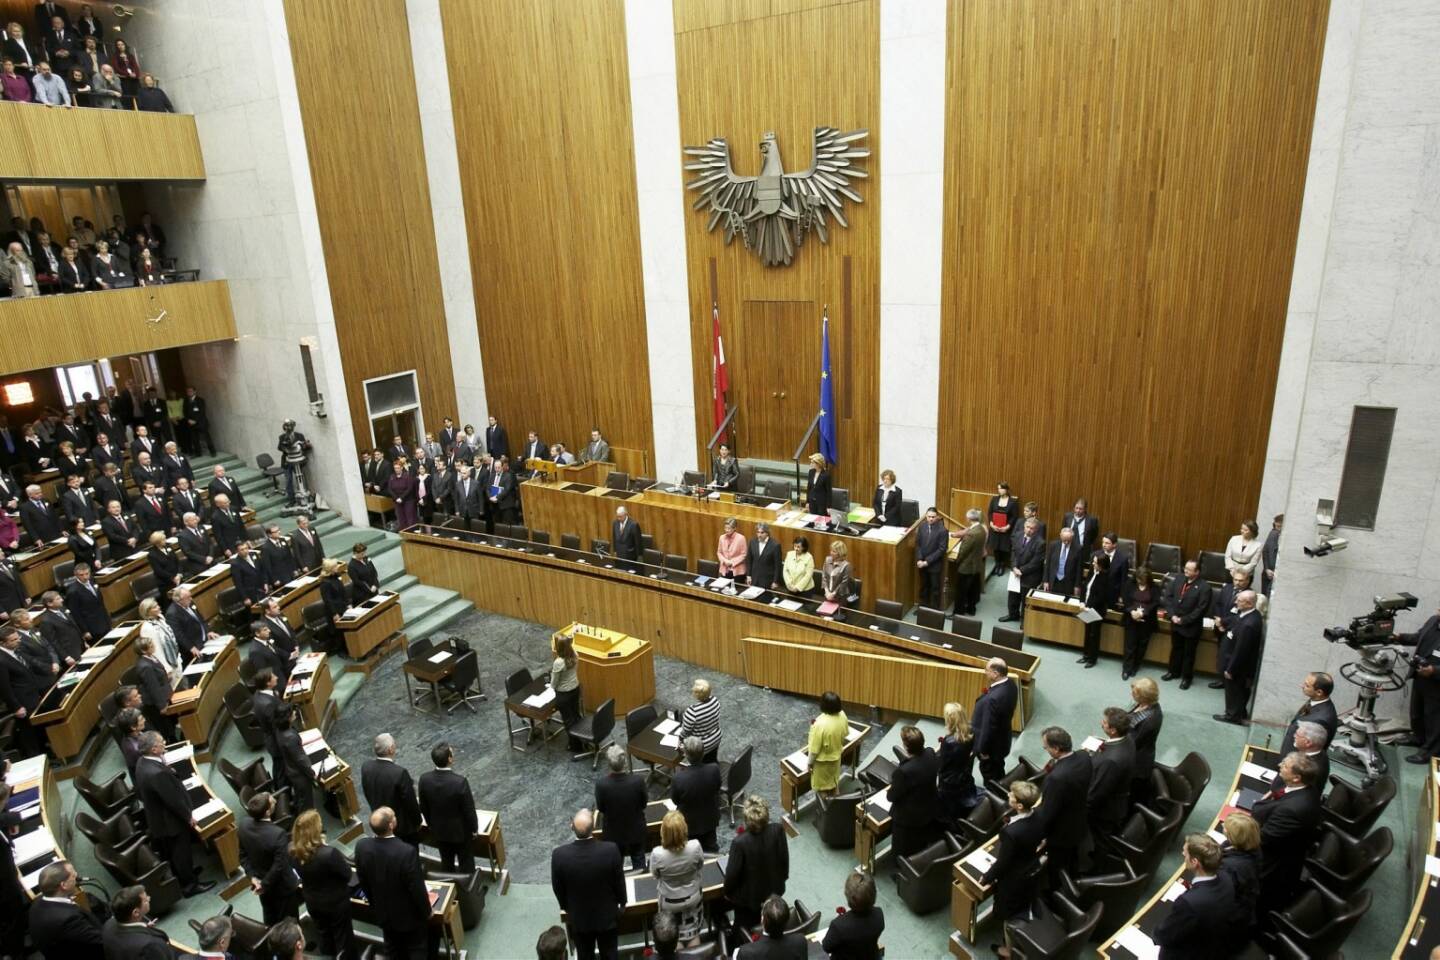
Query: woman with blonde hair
x,y
730,552
676,864
818,486
702,719
325,879
958,795
336,597
836,580
1240,859
1146,718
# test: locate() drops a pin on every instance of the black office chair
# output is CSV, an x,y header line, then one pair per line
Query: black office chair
x,y
984,819
778,490
745,479
1341,864
1056,929
137,865
878,773
233,608
909,512
803,920
890,609
966,627
266,465
249,937
1212,567
1127,547
540,536
254,532
617,480
600,546
316,621
1162,559
857,587
469,887
1318,923
240,707
1023,770
108,798
1183,783
930,617
1116,891
252,775
247,672
441,519
652,557
837,819
63,573
144,587
640,484
1142,842
419,649
923,879
1007,637
504,531
840,499
514,683
708,568
570,541
595,730
463,684
734,777
677,562
118,832
1355,810
692,478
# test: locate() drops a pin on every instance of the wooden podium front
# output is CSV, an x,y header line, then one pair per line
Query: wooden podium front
x,y
1053,620
611,664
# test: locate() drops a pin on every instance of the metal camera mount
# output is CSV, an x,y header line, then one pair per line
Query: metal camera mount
x,y
1382,668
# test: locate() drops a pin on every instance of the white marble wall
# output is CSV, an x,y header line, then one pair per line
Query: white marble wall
x,y
447,208
912,138
655,123
1362,330
252,223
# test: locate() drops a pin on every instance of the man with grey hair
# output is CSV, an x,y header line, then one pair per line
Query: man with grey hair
x,y
1027,567
969,564
1245,637
621,799
625,536
171,824
696,793
196,551
59,926
1311,739
763,560
387,784
215,935
588,878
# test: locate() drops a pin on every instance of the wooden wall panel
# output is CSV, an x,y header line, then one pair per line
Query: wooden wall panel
x,y
50,331
97,145
1122,195
744,67
541,100
372,195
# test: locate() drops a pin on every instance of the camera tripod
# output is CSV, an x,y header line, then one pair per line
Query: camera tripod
x,y
1379,670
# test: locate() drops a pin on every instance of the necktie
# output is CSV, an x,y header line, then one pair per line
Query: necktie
x,y
1305,710
1064,555
1050,766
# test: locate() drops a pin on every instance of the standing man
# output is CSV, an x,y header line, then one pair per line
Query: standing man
x,y
264,856
449,810
197,422
41,522
167,809
196,551
1289,818
130,932
223,485
969,564
1317,708
277,563
1027,556
991,718
305,544
762,559
597,450
589,883
448,435
83,600
390,874
1424,689
1270,553
1064,795
695,791
155,415
1245,637
227,526
497,441
621,799
1086,528
60,928
1062,564
1112,771
1186,607
185,500
387,784
535,448
931,541
20,691
466,495
625,536
1205,920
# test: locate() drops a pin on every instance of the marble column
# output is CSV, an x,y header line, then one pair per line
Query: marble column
x,y
655,124
912,181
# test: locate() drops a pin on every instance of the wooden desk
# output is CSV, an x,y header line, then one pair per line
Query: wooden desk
x,y
310,688
1422,930
1154,911
655,812
649,745
435,666
795,774
332,773
538,716
114,578
375,621
642,898
611,664
683,525
872,824
681,620
293,597
197,707
205,588
1045,621
968,892
37,565
444,914
216,821
70,711
35,797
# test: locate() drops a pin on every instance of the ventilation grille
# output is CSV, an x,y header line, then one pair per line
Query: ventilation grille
x,y
1371,429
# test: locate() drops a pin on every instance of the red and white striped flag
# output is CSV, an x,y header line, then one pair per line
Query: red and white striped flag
x,y
719,375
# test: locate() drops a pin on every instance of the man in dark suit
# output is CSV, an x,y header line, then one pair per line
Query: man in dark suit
x,y
763,561
264,656
197,553
152,512
1186,607
620,798
1424,689
387,784
305,545
265,704
106,424
46,12
1241,658
535,449
1027,561
448,435
1289,818
75,502
110,487
758,866
1112,769
1310,740
991,718
390,874
465,495
246,576
121,532
185,621
777,943
442,486
280,633
1317,708
1269,553
68,430
449,810
396,450
61,45
143,470
588,879
277,563
130,933
197,420
497,441
1086,528
20,690
42,523
695,791
86,605
226,525
625,536
60,928
168,813
59,629
105,451
220,483
1205,921
185,500
914,800
1063,802
155,414
175,465
264,856
143,443
1063,562
504,495
931,542
1223,612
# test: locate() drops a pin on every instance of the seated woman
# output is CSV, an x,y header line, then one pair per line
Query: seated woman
x,y
731,551
677,864
799,568
151,99
958,795
837,583
1016,869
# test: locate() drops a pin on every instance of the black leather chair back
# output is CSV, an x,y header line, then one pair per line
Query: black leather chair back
x,y
639,718
930,617
837,819
518,681
890,609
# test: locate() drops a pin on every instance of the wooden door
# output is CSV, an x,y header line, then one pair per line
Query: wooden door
x,y
775,375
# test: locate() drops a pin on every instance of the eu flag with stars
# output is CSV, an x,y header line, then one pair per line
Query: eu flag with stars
x,y
827,395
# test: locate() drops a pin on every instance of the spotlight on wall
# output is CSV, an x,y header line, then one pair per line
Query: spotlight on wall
x,y
121,14
1325,543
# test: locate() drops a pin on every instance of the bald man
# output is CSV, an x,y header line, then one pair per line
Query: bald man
x,y
390,874
589,883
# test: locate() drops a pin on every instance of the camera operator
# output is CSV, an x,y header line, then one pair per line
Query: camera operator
x,y
1424,689
292,446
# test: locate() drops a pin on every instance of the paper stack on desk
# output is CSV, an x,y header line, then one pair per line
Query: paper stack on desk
x,y
97,653
440,657
215,644
484,819
542,699
981,860
667,726
175,754
198,668
216,570
23,770
671,741
800,760
353,613
208,809
881,799
1132,938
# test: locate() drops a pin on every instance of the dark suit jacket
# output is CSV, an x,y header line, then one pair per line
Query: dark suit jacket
x,y
65,931
1074,561
247,579
1087,532
535,451
308,550
194,409
791,946
14,51
931,543
1202,923
153,517
83,552
621,799
151,473
88,609
12,591
74,276
914,799
334,595
764,564
107,490
1191,606
695,791
195,550
887,504
129,942
389,870
627,541
1063,796
1029,559
277,563
1288,826
167,805
466,502
227,530
298,774
325,880
189,628
77,505
62,633
1111,772
41,522
364,580
448,806
1322,713
758,866
266,657
817,492
589,883
1145,732
19,685
505,499
263,705
1246,635
264,855
230,488
183,502
497,441
1017,858
154,684
855,936
176,467
991,719
387,784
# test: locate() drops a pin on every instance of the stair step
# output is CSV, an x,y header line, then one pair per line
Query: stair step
x,y
438,618
390,564
399,582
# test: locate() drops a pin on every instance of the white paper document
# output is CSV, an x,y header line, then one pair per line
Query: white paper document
x,y
198,669
1132,938
484,820
671,741
1254,770
96,653
542,699
791,605
1012,584
669,804
300,582
667,726
182,752
1432,865
800,760
750,593
216,570
882,800
34,844
207,810
719,583
1091,744
980,859
440,657
1174,892
352,613
22,770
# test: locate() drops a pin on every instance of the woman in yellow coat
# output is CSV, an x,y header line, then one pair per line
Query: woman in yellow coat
x,y
827,741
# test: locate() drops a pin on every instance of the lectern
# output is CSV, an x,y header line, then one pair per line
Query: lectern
x,y
611,664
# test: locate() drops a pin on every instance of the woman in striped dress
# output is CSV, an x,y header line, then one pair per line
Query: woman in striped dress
x,y
702,719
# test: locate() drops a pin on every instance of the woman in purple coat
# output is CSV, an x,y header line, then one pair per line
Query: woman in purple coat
x,y
401,488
